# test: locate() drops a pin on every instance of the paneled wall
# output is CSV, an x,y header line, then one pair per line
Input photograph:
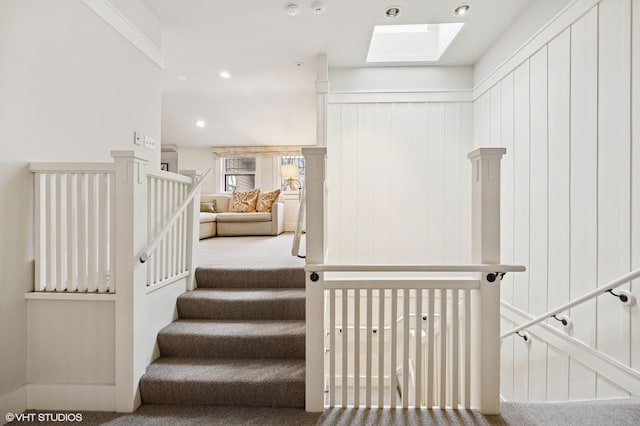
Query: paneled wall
x,y
399,180
570,192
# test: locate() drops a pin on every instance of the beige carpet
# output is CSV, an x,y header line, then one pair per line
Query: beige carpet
x,y
239,339
566,414
248,252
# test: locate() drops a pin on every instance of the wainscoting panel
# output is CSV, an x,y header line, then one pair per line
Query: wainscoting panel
x,y
570,196
398,179
635,179
505,108
614,180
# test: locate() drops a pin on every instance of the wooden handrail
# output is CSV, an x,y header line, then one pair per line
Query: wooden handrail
x,y
295,246
584,298
413,268
160,235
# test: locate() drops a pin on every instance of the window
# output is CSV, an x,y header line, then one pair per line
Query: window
x,y
297,160
239,174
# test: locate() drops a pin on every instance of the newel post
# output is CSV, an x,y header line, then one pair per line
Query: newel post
x,y
485,239
130,188
193,228
315,159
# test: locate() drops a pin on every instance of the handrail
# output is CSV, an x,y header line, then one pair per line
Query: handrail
x,y
295,246
414,268
584,298
146,254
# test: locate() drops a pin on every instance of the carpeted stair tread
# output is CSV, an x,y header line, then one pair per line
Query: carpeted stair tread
x,y
220,277
260,303
233,339
244,382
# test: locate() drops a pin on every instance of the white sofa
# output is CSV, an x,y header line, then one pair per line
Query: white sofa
x,y
224,223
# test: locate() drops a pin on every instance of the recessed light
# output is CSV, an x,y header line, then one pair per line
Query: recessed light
x,y
293,10
200,123
463,9
182,77
225,74
392,12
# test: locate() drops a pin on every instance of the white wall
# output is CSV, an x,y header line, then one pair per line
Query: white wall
x,y
200,159
85,353
562,108
535,16
399,181
400,79
73,89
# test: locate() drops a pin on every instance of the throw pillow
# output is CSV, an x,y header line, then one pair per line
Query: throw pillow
x,y
207,206
245,202
266,200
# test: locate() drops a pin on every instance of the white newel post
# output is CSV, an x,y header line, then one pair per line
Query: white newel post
x,y
485,239
193,228
322,93
130,274
315,159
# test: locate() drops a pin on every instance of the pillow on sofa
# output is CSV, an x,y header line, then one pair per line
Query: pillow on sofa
x,y
266,200
244,202
207,206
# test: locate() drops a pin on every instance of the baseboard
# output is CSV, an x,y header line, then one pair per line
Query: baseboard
x,y
68,397
13,402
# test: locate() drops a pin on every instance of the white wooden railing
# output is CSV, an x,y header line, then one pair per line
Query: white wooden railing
x,y
436,338
74,228
92,222
168,259
627,298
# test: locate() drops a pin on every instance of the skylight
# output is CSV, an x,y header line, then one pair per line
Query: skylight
x,y
411,43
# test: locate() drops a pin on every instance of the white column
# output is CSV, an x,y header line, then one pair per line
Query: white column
x,y
315,159
485,238
322,92
130,275
193,229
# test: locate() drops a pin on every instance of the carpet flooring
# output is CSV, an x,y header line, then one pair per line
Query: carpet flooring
x,y
240,336
610,413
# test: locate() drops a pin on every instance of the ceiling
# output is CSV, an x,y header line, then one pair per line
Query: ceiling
x,y
270,100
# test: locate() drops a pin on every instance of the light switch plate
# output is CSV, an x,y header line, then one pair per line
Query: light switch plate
x,y
137,138
149,142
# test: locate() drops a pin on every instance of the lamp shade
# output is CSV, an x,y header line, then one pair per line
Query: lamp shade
x,y
290,171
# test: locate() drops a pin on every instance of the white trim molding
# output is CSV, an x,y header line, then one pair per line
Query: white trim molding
x,y
564,19
71,397
13,402
614,371
391,97
77,297
112,16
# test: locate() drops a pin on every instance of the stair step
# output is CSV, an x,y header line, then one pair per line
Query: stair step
x,y
233,339
201,381
232,304
250,278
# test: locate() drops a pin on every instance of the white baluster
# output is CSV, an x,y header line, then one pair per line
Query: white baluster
x,y
369,349
381,347
394,345
431,349
418,348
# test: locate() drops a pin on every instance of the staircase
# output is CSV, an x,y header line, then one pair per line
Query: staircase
x,y
239,340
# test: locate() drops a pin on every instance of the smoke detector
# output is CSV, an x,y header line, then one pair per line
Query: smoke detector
x,y
318,7
293,10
